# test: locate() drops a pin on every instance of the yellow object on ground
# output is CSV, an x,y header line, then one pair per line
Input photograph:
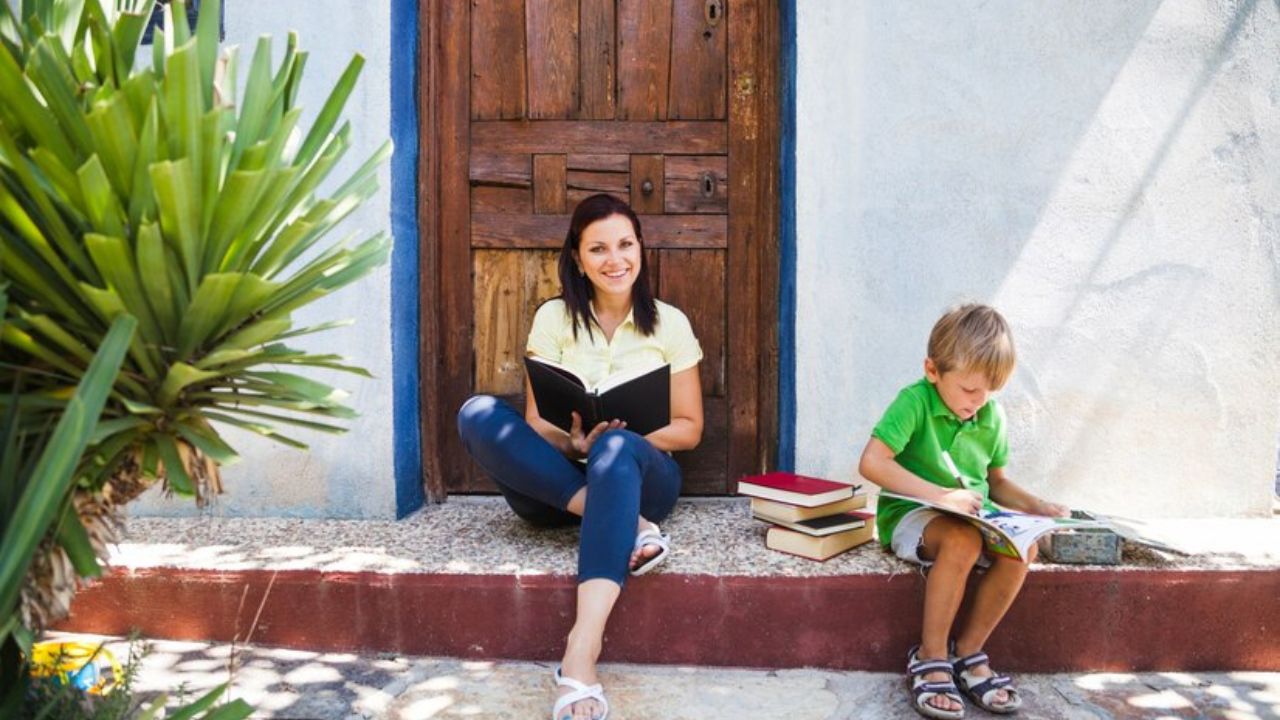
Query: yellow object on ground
x,y
76,663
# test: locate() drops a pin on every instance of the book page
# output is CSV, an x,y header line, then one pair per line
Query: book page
x,y
622,378
1006,532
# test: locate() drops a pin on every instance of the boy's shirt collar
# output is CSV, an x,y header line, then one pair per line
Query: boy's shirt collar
x,y
985,417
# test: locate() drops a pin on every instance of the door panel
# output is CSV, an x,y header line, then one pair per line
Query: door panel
x,y
660,102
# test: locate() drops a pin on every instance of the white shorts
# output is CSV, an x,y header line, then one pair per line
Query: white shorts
x,y
908,537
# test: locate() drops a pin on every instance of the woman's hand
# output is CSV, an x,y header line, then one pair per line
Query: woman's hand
x,y
581,444
965,501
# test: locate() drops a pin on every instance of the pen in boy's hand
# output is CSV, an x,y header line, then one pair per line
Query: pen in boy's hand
x,y
955,471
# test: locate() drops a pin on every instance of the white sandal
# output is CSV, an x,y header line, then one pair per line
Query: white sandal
x,y
581,691
651,536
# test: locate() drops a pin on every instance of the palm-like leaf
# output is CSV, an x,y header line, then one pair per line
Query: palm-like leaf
x,y
148,192
43,440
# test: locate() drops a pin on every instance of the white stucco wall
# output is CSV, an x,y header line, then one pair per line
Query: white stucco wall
x,y
348,475
1106,174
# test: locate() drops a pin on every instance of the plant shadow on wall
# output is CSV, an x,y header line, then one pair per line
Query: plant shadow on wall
x,y
1153,345
158,198
1029,162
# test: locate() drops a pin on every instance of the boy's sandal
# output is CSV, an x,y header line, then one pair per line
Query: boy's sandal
x,y
982,690
651,536
923,690
581,691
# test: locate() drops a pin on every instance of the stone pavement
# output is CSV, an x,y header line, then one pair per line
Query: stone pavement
x,y
321,686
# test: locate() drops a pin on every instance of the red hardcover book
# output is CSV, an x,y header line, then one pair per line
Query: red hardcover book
x,y
794,489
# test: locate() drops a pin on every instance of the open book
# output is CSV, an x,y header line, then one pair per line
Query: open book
x,y
1006,532
641,399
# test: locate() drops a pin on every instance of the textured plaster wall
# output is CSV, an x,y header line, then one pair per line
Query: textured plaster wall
x,y
1106,174
348,475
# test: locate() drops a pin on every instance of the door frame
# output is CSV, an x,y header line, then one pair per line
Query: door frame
x,y
443,187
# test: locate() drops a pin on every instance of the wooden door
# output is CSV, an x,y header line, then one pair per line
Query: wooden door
x,y
528,106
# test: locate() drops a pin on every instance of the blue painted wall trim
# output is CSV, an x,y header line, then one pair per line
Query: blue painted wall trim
x,y
787,243
407,440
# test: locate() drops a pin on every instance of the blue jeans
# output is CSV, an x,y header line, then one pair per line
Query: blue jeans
x,y
625,477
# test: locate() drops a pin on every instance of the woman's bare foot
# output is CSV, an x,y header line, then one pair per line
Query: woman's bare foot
x,y
642,554
579,663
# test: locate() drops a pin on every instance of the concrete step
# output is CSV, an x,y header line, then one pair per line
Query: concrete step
x,y
468,580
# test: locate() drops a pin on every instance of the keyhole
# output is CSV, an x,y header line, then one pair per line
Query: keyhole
x,y
708,185
713,11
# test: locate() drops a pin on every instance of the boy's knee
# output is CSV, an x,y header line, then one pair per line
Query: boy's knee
x,y
473,413
959,543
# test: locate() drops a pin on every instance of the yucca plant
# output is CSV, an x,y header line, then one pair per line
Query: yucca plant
x,y
153,192
42,441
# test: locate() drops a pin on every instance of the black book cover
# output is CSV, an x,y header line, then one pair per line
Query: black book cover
x,y
643,402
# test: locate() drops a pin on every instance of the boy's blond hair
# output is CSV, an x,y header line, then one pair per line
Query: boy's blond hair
x,y
973,338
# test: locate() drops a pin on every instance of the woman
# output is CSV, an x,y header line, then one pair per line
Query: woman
x,y
620,484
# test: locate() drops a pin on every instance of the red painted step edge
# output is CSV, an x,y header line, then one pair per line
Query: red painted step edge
x,y
1063,621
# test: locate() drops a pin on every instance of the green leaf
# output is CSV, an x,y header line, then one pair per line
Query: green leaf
x,y
51,221
311,390
140,408
175,472
115,263
142,200
159,41
250,336
207,31
25,226
207,700
308,424
265,431
72,537
48,68
331,111
115,141
235,203
101,203
180,376
52,476
127,32
183,107
64,340
31,112
175,19
179,214
248,297
257,100
231,401
155,281
234,710
107,428
206,312
209,442
15,337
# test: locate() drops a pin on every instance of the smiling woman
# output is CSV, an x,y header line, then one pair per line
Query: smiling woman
x,y
617,482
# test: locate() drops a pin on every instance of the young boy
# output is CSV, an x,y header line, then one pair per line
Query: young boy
x,y
948,417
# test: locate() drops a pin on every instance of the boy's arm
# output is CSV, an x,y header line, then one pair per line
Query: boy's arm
x,y
879,466
1007,493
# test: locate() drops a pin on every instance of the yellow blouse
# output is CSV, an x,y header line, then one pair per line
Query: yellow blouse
x,y
594,358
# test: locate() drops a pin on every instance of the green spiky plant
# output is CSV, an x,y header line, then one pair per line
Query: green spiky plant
x,y
150,191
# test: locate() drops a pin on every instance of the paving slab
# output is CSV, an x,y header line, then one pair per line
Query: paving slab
x,y
301,685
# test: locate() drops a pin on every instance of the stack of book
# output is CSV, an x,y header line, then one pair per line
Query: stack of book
x,y
811,517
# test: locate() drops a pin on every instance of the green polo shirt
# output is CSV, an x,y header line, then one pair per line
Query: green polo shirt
x,y
918,427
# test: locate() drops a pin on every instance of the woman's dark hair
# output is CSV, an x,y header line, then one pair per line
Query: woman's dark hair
x,y
576,289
